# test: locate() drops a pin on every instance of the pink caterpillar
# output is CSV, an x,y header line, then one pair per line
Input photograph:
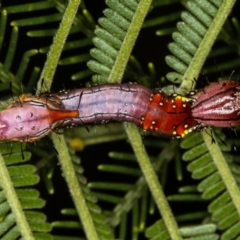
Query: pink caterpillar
x,y
33,117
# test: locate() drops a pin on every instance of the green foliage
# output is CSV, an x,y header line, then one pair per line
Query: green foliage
x,y
118,205
20,198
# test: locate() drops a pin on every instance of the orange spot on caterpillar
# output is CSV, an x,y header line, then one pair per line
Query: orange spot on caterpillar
x,y
57,115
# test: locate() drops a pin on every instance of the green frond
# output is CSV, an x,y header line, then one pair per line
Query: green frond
x,y
100,221
110,38
127,199
116,38
18,200
94,222
230,35
194,40
82,24
201,232
212,186
7,77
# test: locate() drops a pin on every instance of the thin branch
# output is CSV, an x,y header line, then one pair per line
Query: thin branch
x,y
152,180
223,169
206,45
57,46
13,201
73,185
129,41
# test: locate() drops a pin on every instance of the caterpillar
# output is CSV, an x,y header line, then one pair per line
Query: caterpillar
x,y
33,117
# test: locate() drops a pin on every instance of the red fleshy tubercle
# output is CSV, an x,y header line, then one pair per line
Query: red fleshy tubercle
x,y
169,115
154,114
30,118
218,105
180,116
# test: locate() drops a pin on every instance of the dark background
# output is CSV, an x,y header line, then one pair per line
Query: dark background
x,y
148,48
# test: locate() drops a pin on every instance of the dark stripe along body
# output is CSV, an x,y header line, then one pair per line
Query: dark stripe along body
x,y
131,103
218,105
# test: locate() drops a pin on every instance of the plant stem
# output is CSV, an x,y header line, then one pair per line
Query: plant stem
x,y
57,46
13,201
74,187
223,169
206,45
129,41
152,180
59,141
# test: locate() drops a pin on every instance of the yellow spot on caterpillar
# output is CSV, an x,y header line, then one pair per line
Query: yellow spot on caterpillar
x,y
186,132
